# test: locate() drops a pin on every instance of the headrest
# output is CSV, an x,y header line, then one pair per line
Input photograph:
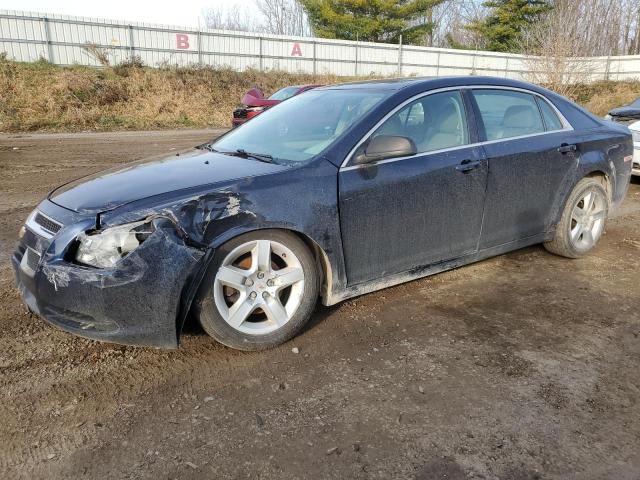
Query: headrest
x,y
520,116
448,119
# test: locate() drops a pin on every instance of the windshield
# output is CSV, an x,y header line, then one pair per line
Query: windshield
x,y
302,127
635,103
284,93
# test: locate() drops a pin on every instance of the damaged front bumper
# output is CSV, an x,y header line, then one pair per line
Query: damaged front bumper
x,y
140,301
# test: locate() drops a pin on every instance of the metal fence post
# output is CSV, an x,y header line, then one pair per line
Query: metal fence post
x,y
356,65
400,57
607,69
199,48
47,36
131,46
314,58
260,55
438,64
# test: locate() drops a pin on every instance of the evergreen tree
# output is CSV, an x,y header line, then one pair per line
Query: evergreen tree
x,y
503,27
371,20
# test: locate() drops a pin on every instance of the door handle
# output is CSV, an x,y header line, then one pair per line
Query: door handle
x,y
467,165
566,148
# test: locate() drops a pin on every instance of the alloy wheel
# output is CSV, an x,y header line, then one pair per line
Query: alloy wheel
x,y
259,286
587,219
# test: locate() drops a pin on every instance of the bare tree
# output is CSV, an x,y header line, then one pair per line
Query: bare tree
x,y
450,19
284,17
279,17
233,18
557,49
597,27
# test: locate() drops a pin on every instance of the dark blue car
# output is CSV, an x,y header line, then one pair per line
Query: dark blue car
x,y
334,193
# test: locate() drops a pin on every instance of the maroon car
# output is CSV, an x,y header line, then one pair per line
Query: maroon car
x,y
254,103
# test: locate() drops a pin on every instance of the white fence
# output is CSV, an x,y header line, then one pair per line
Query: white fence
x,y
61,39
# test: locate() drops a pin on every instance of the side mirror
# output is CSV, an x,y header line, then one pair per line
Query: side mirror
x,y
386,146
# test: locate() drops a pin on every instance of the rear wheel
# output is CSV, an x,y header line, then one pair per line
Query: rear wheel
x,y
583,220
263,293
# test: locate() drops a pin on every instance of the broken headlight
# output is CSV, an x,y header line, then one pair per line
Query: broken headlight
x,y
104,249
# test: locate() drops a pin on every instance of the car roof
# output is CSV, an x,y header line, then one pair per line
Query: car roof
x,y
306,85
428,83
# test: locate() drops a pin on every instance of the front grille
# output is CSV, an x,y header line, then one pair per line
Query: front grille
x,y
47,224
32,259
240,113
34,241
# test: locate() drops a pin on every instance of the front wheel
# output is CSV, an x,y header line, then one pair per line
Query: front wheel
x,y
264,291
582,221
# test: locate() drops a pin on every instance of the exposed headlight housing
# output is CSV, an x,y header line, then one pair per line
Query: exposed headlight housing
x,y
608,117
104,249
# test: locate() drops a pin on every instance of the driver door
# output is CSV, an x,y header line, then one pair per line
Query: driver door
x,y
400,214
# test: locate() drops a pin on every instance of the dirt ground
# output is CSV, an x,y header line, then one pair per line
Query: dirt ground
x,y
522,367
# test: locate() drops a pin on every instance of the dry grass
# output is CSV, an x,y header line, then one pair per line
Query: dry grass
x,y
600,97
43,97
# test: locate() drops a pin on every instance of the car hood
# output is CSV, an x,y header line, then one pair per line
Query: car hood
x,y
135,181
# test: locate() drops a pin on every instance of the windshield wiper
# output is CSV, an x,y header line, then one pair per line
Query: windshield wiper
x,y
261,157
207,146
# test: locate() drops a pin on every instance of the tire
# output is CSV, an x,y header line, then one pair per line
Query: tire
x,y
583,220
247,304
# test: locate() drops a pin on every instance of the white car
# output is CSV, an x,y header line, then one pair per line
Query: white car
x,y
635,130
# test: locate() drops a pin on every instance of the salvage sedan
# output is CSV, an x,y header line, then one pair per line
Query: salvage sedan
x,y
332,194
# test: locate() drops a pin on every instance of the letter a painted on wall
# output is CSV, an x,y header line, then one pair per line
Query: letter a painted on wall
x,y
182,41
297,51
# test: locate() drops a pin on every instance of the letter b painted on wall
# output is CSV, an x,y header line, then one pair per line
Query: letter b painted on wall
x,y
182,41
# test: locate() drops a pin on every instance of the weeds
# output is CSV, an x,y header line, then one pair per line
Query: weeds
x,y
45,97
99,54
128,95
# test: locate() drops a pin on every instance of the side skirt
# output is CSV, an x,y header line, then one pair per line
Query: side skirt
x,y
424,271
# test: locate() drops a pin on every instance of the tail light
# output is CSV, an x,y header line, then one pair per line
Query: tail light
x,y
253,111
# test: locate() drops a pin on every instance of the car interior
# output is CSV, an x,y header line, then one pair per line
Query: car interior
x,y
433,122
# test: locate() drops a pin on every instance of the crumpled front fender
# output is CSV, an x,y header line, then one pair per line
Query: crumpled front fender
x,y
137,302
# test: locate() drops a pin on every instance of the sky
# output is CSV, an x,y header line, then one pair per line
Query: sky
x,y
171,12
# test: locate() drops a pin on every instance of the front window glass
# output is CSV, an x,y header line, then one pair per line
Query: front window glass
x,y
433,122
302,127
507,114
284,93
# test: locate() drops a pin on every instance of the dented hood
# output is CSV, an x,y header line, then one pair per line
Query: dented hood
x,y
193,168
255,98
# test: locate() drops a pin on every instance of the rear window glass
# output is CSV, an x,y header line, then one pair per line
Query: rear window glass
x,y
551,120
284,93
508,114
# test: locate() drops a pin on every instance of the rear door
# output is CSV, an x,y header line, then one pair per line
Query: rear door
x,y
403,213
530,150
